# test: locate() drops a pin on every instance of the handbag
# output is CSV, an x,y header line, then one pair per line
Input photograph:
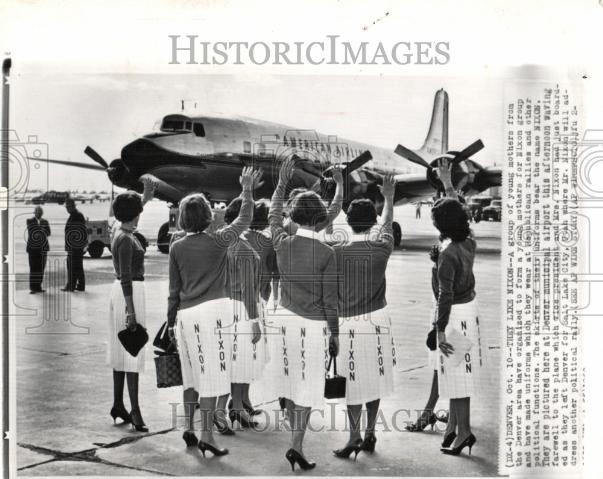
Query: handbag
x,y
163,341
133,341
168,370
335,385
432,339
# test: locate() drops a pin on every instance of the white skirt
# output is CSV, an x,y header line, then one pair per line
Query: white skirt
x,y
299,353
462,380
367,356
204,347
248,359
185,363
117,357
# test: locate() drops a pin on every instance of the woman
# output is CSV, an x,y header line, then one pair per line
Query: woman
x,y
458,336
307,310
198,295
261,243
248,357
127,304
368,349
428,416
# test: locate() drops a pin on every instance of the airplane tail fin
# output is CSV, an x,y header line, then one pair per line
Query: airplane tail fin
x,y
436,142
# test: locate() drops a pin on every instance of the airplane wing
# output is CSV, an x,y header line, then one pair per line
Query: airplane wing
x,y
411,187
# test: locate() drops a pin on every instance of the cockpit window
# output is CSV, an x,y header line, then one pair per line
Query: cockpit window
x,y
172,125
198,129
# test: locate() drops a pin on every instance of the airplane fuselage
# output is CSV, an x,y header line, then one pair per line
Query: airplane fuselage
x,y
205,154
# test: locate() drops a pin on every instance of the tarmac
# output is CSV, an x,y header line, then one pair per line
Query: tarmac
x,y
64,388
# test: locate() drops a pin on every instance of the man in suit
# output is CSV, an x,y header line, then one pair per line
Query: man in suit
x,y
76,240
38,232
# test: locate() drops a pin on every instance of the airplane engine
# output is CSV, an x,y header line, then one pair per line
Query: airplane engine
x,y
118,174
468,176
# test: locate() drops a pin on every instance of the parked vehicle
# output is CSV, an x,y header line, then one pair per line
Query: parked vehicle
x,y
476,206
493,212
99,237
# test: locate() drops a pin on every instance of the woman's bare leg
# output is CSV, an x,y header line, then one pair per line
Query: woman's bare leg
x,y
190,398
463,419
207,406
372,409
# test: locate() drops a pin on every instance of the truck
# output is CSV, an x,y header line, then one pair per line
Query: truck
x,y
493,212
99,237
476,206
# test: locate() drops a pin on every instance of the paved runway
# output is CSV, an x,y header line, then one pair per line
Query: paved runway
x,y
64,388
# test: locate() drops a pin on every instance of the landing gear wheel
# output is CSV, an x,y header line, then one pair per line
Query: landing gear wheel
x,y
163,238
397,234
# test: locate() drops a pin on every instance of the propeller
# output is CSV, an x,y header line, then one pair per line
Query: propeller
x,y
69,163
410,156
350,167
471,150
460,175
325,186
96,157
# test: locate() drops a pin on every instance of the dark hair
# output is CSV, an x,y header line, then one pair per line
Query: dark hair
x,y
292,194
296,191
232,210
450,218
195,213
361,215
127,206
69,201
260,215
307,209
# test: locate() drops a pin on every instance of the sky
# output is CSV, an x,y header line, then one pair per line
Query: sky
x,y
68,112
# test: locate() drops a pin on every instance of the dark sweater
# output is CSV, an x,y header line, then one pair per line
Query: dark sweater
x,y
262,245
128,259
198,263
361,266
452,279
307,268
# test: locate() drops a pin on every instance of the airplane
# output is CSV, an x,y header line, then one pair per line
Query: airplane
x,y
193,153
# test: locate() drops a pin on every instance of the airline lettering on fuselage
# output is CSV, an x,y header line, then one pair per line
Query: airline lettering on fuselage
x,y
322,147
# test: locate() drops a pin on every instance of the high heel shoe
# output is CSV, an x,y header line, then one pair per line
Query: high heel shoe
x,y
223,428
248,407
293,456
205,446
137,422
455,451
189,438
449,439
368,444
120,413
349,449
423,421
237,416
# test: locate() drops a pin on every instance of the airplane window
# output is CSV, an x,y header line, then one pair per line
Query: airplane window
x,y
172,125
198,129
